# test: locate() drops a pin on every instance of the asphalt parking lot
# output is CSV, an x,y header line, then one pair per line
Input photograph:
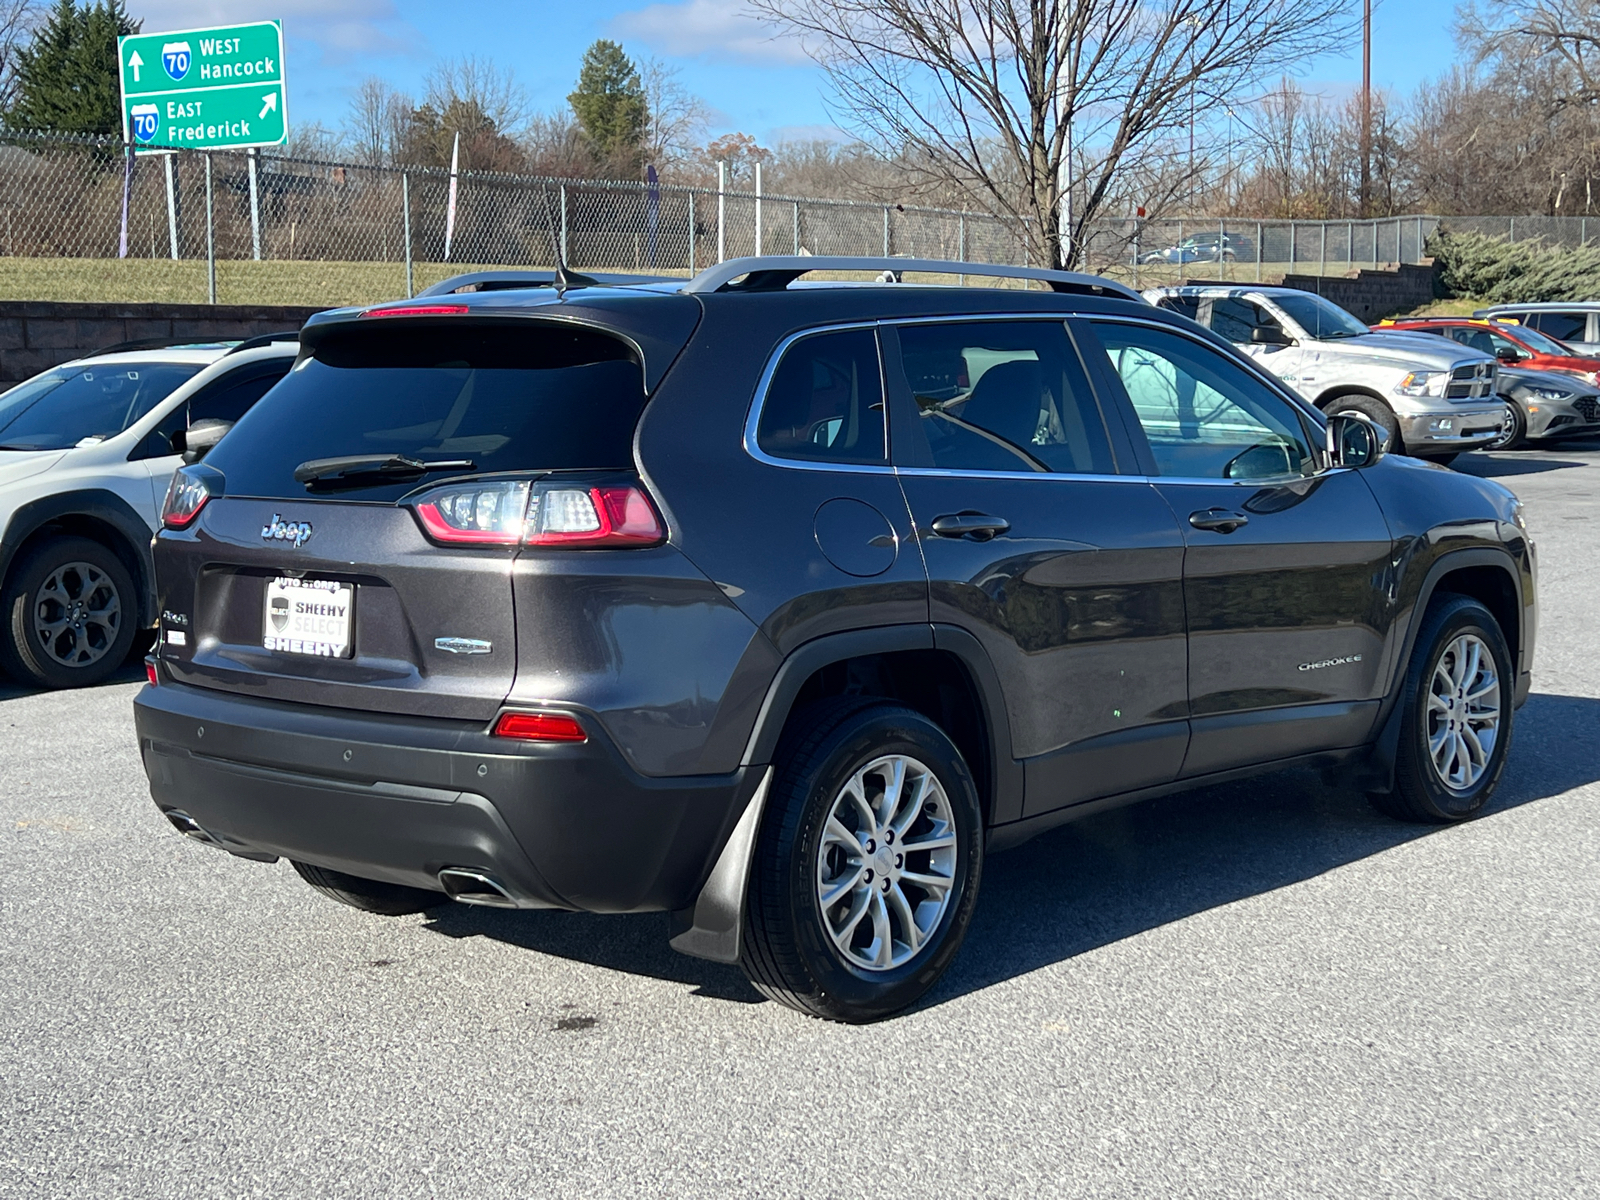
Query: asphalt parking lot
x,y
1261,989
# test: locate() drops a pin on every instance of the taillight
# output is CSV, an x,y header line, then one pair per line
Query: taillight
x,y
150,672
596,516
509,512
540,727
491,513
187,494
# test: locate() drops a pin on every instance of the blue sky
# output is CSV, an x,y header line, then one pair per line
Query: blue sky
x,y
752,83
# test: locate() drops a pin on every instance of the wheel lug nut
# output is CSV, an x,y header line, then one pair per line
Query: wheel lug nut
x,y
899,861
889,836
869,877
871,845
885,885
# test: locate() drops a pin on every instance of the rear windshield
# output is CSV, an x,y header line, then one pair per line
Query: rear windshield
x,y
516,396
72,406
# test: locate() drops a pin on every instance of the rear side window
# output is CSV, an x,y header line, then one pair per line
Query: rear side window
x,y
1188,306
1004,396
230,398
1563,326
825,401
515,396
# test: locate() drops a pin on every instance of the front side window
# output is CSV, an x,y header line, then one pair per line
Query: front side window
x,y
1205,417
1237,319
825,401
1321,319
1563,326
1004,396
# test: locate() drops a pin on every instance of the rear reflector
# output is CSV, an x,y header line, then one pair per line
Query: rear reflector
x,y
150,672
540,727
418,310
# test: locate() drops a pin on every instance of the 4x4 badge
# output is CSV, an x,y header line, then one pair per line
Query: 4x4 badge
x,y
279,530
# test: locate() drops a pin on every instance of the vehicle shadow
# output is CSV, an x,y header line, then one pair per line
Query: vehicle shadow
x,y
1111,876
1494,468
131,671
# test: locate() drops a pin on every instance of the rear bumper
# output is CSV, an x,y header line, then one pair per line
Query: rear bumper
x,y
400,799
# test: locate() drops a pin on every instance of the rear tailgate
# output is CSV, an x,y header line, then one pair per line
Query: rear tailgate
x,y
327,589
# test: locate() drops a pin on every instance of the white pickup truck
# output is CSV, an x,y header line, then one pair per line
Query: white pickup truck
x,y
1434,400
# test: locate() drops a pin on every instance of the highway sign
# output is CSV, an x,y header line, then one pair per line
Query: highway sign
x,y
205,89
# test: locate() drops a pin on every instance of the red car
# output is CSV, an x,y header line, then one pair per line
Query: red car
x,y
1511,343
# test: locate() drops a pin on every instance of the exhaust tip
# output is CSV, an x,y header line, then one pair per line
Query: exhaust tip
x,y
189,827
475,887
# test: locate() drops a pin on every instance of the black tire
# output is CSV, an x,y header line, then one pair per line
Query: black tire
x,y
1373,410
1515,435
369,895
787,950
82,654
1419,792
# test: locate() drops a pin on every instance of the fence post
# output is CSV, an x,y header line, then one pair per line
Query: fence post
x,y
405,230
563,224
961,245
692,267
211,239
1258,251
722,211
1292,240
759,243
1583,231
1419,239
1322,266
255,206
1222,236
886,231
797,229
172,206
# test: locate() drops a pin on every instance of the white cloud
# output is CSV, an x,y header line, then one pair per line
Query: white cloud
x,y
723,29
340,29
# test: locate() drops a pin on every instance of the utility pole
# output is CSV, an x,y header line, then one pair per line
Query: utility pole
x,y
1365,198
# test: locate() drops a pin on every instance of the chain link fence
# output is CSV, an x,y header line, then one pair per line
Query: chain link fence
x,y
82,220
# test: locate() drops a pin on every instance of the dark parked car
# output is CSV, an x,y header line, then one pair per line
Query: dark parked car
x,y
778,608
1204,247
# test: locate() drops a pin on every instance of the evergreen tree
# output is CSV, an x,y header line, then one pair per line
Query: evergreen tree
x,y
610,103
68,78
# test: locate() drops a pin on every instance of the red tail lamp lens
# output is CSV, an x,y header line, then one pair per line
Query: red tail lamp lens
x,y
484,514
186,496
418,310
540,727
150,672
620,515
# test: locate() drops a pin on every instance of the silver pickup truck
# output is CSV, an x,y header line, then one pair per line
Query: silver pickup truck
x,y
1434,400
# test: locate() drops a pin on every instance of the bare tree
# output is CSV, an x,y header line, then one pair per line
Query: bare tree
x,y
987,94
18,19
477,82
676,116
375,123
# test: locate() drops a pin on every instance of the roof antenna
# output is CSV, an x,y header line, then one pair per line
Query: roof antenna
x,y
564,278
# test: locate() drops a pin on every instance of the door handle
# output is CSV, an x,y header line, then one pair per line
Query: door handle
x,y
980,527
1218,520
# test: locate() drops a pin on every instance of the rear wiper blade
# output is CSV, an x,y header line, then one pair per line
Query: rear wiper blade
x,y
353,467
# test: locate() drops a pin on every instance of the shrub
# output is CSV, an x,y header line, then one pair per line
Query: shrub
x,y
1502,272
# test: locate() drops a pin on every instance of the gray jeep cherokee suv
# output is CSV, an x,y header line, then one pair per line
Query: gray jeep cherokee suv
x,y
778,605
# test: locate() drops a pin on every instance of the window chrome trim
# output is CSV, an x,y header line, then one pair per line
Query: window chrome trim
x,y
758,401
949,473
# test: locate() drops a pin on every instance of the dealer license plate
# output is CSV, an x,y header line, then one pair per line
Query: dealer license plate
x,y
308,616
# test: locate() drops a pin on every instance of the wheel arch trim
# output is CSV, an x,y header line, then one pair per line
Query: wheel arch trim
x,y
96,504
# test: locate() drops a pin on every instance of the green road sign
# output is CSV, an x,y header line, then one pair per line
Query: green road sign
x,y
205,89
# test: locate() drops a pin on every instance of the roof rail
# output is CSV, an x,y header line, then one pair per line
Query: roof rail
x,y
773,273
267,339
501,281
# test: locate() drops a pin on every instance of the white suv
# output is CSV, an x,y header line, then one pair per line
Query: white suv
x,y
1433,400
86,452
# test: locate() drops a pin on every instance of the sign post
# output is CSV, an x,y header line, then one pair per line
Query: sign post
x,y
204,89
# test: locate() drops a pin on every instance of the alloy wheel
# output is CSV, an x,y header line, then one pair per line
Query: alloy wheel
x,y
77,613
886,863
1463,712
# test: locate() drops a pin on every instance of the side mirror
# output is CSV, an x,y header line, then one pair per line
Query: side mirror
x,y
1355,441
1507,354
1264,335
201,437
